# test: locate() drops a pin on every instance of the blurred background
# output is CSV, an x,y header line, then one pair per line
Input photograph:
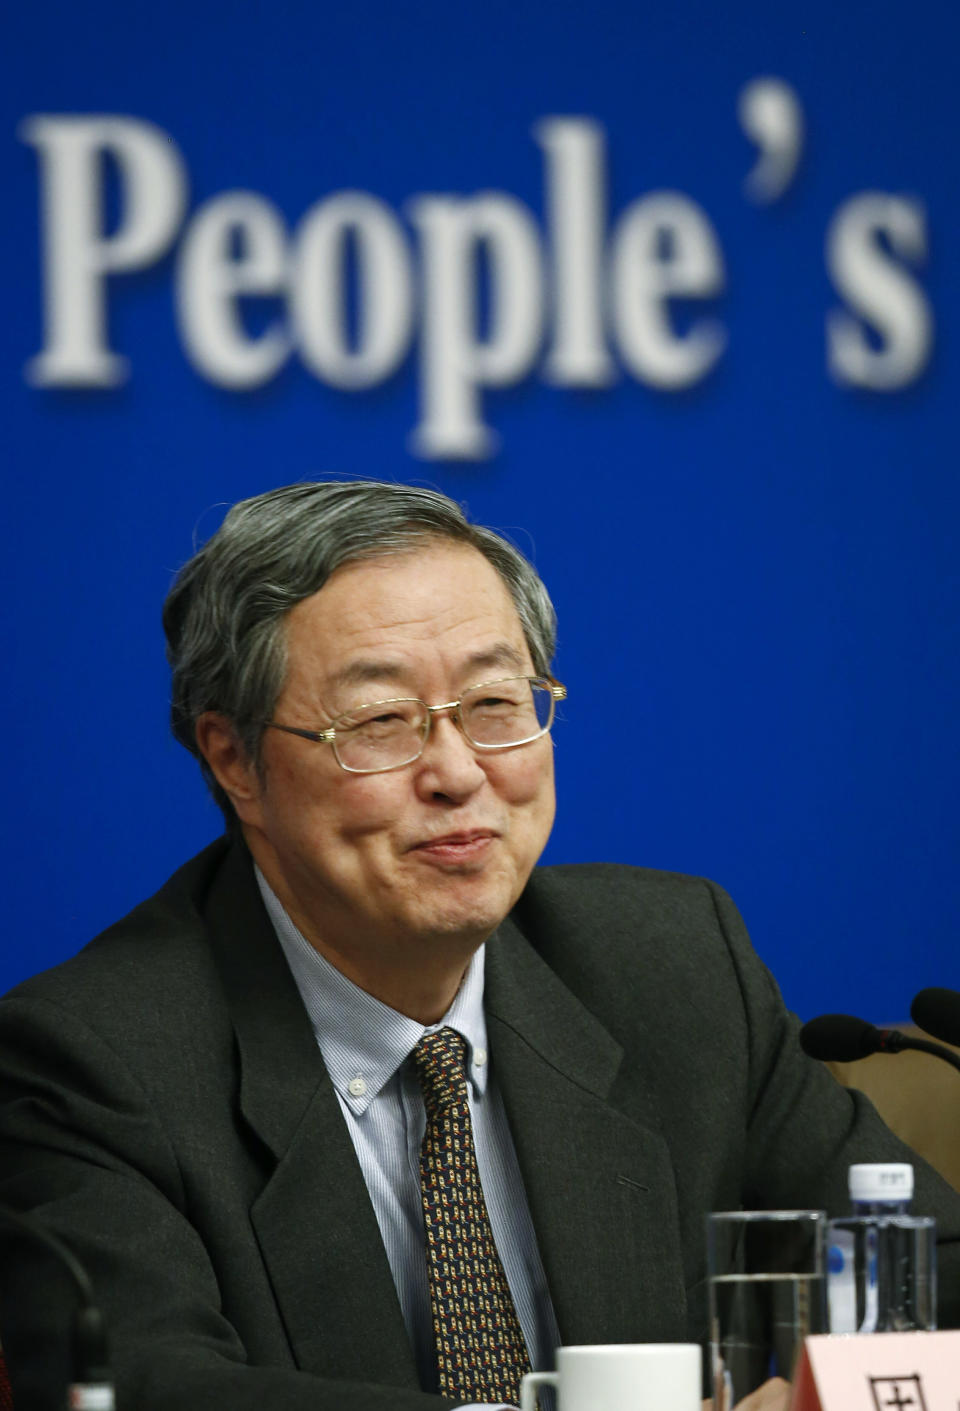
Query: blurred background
x,y
668,294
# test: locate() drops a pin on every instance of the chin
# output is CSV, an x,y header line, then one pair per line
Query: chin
x,y
473,917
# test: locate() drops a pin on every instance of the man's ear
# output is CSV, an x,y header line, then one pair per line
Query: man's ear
x,y
221,747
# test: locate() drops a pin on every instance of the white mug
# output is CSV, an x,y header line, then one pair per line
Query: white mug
x,y
642,1376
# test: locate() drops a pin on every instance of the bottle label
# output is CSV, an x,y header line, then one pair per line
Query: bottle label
x,y
842,1282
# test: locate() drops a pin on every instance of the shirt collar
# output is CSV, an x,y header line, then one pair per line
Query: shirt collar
x,y
362,1040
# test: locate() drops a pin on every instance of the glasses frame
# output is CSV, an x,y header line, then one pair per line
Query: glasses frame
x,y
558,692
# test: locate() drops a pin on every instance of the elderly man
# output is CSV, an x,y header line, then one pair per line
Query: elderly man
x,y
360,1111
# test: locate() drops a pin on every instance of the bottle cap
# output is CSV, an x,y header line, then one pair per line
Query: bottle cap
x,y
886,1180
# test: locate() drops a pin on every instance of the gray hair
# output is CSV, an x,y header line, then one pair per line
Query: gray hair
x,y
224,617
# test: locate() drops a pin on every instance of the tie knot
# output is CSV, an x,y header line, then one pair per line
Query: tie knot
x,y
439,1058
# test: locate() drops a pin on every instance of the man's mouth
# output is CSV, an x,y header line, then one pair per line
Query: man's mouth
x,y
468,845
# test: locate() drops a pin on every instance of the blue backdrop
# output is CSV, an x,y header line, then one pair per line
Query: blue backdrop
x,y
736,472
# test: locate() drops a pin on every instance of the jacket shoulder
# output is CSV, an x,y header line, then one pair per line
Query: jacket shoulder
x,y
612,933
607,895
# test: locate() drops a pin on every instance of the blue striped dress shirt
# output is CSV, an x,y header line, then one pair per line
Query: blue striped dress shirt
x,y
366,1046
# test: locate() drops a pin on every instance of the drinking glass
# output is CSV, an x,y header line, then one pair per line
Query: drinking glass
x,y
766,1271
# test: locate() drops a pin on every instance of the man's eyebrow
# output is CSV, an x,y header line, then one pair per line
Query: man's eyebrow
x,y
363,671
501,655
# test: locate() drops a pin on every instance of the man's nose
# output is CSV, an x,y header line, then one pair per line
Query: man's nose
x,y
449,764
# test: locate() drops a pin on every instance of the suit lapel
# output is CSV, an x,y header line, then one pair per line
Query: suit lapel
x,y
597,1172
313,1219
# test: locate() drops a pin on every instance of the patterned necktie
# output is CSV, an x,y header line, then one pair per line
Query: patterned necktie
x,y
481,1354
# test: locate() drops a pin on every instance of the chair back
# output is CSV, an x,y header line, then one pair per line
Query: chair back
x,y
918,1096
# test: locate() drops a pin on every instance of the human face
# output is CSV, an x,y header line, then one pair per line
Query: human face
x,y
381,869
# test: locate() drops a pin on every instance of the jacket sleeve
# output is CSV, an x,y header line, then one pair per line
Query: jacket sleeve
x,y
82,1149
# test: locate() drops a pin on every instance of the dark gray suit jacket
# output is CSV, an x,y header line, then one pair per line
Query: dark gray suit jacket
x,y
164,1107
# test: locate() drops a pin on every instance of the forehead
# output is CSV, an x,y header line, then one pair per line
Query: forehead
x,y
441,604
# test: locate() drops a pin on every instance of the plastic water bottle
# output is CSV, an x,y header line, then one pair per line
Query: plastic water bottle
x,y
882,1274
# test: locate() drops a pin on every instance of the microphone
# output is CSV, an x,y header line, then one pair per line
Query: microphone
x,y
840,1038
938,1012
92,1388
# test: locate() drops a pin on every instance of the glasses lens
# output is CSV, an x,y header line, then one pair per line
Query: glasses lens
x,y
511,712
380,736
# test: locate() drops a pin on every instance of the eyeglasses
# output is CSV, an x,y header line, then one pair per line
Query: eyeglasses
x,y
385,735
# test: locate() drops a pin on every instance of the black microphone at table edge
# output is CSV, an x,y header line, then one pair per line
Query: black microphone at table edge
x,y
841,1038
93,1384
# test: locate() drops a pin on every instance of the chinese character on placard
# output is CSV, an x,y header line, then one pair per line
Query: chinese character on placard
x,y
898,1393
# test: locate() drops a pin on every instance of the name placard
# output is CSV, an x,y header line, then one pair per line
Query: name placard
x,y
879,1372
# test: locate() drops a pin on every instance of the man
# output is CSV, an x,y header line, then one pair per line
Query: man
x,y
361,1111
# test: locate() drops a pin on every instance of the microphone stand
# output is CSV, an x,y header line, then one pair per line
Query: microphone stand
x,y
893,1041
92,1388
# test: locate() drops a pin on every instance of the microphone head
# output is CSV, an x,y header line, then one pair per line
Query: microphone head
x,y
937,1012
839,1038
